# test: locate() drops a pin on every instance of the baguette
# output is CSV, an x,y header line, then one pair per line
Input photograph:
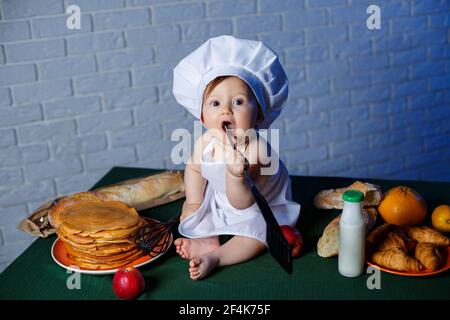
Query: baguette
x,y
332,198
146,192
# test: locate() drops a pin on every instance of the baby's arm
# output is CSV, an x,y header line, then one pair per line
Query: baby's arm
x,y
238,192
193,181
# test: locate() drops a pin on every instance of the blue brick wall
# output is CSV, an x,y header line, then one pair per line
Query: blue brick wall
x,y
74,103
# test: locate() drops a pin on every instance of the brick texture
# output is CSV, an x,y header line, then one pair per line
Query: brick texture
x,y
74,103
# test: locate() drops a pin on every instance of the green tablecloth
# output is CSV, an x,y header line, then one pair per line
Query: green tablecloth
x,y
34,275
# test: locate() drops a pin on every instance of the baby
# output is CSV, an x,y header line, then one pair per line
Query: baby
x,y
239,85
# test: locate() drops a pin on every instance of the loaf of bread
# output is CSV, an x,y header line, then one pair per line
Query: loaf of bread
x,y
328,244
332,198
147,192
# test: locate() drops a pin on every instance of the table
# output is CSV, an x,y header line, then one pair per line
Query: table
x,y
34,275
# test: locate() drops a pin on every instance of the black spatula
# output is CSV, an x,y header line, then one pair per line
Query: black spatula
x,y
277,243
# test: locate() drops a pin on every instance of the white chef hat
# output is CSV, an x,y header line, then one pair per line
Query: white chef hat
x,y
252,61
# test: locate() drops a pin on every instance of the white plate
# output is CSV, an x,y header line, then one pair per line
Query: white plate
x,y
75,268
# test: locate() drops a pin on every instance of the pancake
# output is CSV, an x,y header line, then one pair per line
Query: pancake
x,y
87,246
105,250
97,234
91,217
114,234
74,238
54,213
112,263
102,248
103,235
109,258
101,265
133,254
89,240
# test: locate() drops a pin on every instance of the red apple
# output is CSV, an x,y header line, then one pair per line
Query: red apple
x,y
128,283
294,238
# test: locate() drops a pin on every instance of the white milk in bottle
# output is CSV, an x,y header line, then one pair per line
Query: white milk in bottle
x,y
352,235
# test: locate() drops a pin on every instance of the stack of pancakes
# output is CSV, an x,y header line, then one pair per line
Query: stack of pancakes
x,y
97,234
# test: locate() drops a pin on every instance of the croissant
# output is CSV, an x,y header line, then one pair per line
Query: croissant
x,y
397,260
426,234
393,241
377,235
429,255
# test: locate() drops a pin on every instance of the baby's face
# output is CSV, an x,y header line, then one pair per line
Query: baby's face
x,y
230,103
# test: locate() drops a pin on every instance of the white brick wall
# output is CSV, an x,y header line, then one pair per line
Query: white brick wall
x,y
74,103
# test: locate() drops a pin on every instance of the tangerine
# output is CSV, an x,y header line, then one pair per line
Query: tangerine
x,y
403,206
440,218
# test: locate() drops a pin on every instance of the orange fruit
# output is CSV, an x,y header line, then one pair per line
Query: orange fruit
x,y
402,206
440,218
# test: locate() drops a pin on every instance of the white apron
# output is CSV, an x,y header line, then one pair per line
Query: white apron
x,y
216,216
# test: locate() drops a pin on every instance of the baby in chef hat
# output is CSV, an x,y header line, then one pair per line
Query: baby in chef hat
x,y
240,85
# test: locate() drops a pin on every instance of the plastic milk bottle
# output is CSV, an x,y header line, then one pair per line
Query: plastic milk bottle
x,y
352,235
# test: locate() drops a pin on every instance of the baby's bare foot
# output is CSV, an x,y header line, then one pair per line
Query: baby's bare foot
x,y
201,267
191,248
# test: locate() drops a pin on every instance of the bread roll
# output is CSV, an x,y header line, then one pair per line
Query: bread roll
x,y
328,244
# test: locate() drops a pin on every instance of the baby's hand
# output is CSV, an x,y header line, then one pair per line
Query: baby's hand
x,y
236,162
189,209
